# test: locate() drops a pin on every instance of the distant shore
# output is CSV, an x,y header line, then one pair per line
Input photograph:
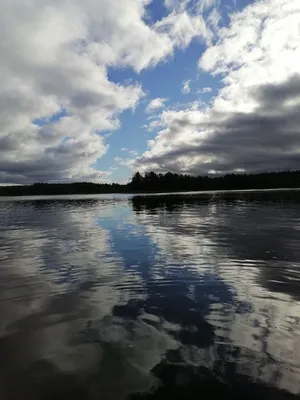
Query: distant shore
x,y
162,183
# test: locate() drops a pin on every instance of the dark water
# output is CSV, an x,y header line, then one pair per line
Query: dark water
x,y
154,297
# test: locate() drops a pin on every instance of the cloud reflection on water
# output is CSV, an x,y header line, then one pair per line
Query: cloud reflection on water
x,y
250,243
96,294
59,285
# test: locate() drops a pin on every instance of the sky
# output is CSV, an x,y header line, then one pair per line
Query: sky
x,y
95,90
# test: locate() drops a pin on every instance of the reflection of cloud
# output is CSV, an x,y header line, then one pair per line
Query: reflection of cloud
x,y
235,240
78,316
60,282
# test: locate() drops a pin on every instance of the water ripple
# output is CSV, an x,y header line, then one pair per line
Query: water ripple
x,y
107,296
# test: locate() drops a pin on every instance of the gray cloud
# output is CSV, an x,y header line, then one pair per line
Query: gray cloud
x,y
55,56
278,95
252,123
268,138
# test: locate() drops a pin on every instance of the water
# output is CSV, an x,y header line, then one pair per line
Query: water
x,y
156,297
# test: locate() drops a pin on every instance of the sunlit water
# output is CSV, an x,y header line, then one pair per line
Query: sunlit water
x,y
182,297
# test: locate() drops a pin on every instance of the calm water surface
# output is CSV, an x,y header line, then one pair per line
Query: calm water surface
x,y
150,297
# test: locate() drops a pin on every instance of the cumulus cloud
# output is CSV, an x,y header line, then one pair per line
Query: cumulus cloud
x,y
155,104
186,86
56,97
253,122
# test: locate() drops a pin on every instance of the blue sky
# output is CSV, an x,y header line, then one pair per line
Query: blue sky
x,y
165,81
97,90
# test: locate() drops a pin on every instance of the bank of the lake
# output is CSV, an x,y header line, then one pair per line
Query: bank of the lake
x,y
157,183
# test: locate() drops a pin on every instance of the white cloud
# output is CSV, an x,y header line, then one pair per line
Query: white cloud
x,y
183,27
198,5
214,19
204,90
253,122
133,152
152,125
155,104
129,151
125,162
186,86
55,57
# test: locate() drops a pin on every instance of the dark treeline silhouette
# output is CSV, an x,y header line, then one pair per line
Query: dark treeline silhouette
x,y
173,182
152,182
41,189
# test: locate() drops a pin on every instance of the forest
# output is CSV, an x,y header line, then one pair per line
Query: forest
x,y
169,182
173,182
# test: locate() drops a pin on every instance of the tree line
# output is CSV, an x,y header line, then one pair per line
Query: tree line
x,y
44,189
169,182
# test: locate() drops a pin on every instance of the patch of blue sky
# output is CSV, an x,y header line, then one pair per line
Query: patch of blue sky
x,y
155,11
229,7
52,118
164,80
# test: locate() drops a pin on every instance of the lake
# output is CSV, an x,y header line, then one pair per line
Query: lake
x,y
150,297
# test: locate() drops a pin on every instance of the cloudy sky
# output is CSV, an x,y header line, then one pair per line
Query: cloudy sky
x,y
96,89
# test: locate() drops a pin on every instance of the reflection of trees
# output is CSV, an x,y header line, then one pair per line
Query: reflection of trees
x,y
248,226
256,199
169,182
